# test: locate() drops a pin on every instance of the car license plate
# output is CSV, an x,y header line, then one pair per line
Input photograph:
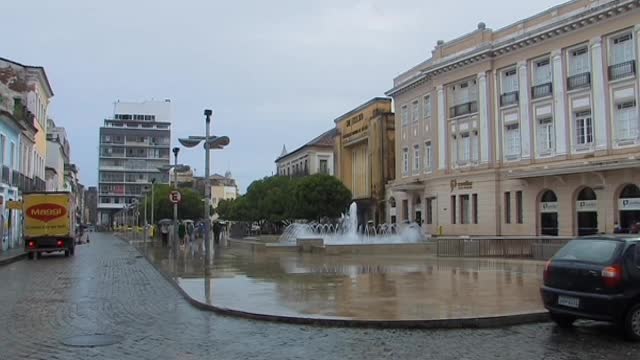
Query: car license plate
x,y
569,301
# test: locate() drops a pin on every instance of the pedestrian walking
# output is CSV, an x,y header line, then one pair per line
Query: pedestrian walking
x,y
182,232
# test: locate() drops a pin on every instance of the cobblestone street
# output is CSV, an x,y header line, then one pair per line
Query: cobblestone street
x,y
108,288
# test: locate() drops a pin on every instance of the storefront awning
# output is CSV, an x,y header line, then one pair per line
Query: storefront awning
x,y
585,167
414,186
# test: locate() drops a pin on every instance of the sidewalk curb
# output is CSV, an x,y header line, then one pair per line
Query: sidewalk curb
x,y
12,259
459,323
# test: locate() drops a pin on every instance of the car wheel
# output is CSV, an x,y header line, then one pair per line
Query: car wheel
x,y
30,256
563,321
632,323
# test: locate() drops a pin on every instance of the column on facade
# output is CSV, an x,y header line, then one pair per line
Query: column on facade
x,y
496,126
525,127
560,123
599,115
442,130
483,108
637,35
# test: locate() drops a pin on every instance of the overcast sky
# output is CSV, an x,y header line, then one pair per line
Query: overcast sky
x,y
275,72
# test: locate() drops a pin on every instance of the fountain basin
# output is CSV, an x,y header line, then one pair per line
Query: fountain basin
x,y
307,244
253,244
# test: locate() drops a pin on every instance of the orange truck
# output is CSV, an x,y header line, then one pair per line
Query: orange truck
x,y
49,223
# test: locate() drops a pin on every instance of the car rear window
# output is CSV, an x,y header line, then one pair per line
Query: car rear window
x,y
591,250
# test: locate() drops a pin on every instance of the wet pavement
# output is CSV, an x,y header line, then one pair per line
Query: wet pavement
x,y
108,292
354,287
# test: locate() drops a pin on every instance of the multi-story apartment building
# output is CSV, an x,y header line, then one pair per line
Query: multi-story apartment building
x,y
134,145
529,129
58,154
314,157
365,156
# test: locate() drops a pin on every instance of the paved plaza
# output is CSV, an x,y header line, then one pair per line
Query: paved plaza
x,y
108,288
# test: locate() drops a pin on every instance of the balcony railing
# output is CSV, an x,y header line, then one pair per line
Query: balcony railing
x,y
509,98
579,81
463,109
541,90
619,71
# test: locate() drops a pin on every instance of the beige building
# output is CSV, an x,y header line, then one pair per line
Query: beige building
x,y
529,129
314,157
365,155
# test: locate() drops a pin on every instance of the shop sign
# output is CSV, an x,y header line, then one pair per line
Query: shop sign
x,y
586,205
461,185
629,204
549,207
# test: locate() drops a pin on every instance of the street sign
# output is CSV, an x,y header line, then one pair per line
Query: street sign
x,y
175,196
14,205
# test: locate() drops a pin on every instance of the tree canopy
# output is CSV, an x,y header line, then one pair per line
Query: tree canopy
x,y
190,207
281,199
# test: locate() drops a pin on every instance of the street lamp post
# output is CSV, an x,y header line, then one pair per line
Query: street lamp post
x,y
176,150
153,183
210,142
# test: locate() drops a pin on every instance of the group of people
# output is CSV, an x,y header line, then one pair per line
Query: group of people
x,y
634,228
189,231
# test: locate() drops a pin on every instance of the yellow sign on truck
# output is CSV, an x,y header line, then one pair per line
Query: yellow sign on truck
x,y
49,222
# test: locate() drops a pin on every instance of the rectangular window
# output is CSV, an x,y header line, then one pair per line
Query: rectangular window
x,y
507,207
429,214
405,161
3,141
475,208
464,148
509,81
584,128
12,155
622,49
579,61
512,140
426,109
542,72
415,110
519,214
474,147
405,115
324,166
627,121
416,159
465,206
427,156
545,135
453,209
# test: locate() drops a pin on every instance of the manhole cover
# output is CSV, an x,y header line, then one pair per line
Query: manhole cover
x,y
92,340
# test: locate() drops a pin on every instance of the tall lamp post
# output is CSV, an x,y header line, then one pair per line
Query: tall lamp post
x,y
210,142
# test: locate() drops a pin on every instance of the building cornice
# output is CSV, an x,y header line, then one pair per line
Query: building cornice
x,y
494,50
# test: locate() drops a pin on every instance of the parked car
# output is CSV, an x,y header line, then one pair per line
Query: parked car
x,y
595,278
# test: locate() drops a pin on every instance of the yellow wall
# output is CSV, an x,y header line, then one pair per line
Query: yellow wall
x,y
364,149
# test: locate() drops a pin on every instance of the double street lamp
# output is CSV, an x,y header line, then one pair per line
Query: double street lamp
x,y
210,142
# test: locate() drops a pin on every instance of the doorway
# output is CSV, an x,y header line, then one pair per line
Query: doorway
x,y
629,207
549,214
587,212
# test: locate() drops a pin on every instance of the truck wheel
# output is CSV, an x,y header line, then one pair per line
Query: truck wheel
x,y
72,251
30,255
66,253
38,255
632,323
563,321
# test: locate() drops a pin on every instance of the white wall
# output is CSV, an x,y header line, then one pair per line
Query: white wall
x,y
161,109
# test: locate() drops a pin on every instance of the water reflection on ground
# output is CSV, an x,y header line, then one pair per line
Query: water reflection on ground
x,y
363,287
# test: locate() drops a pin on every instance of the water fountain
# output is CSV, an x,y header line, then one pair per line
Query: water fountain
x,y
347,231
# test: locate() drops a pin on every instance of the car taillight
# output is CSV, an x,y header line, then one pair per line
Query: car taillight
x,y
546,275
612,276
32,244
60,243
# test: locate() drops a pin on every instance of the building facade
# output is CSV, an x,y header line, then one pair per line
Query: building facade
x,y
528,130
25,93
91,204
58,154
314,157
365,156
134,145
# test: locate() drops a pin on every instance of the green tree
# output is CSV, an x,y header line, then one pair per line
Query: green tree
x,y
319,196
190,207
